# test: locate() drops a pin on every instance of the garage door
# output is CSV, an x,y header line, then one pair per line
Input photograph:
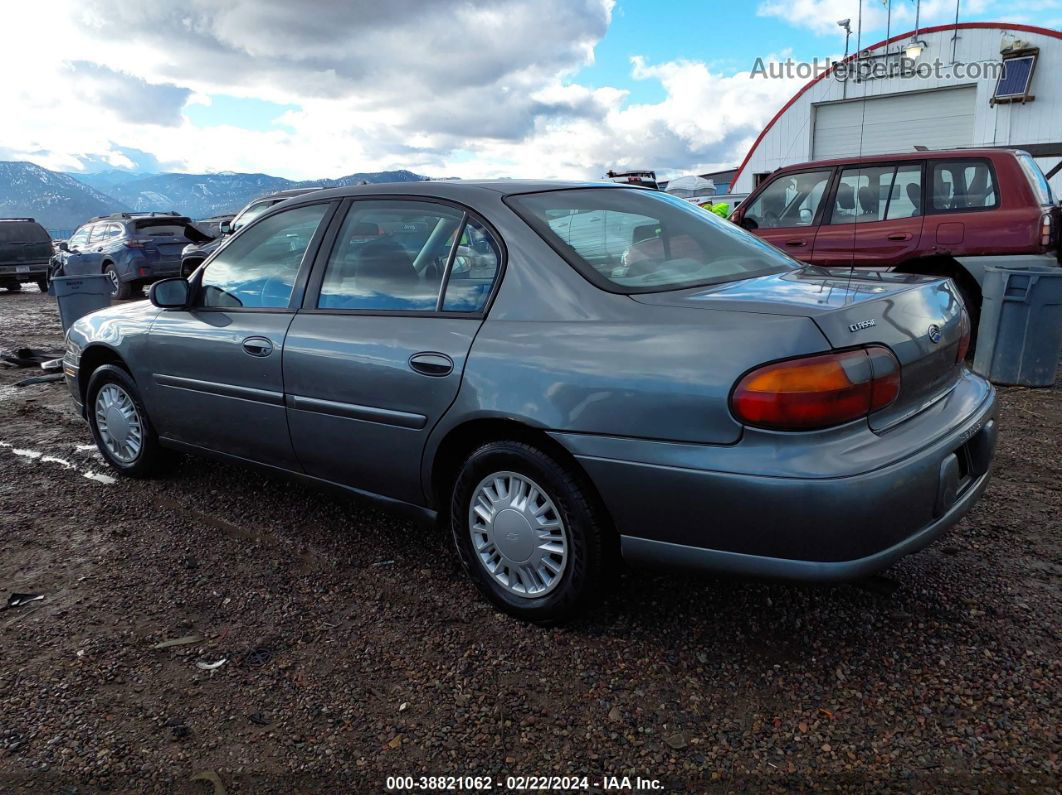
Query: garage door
x,y
897,123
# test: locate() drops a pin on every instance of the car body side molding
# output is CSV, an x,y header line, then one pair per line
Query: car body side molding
x,y
226,390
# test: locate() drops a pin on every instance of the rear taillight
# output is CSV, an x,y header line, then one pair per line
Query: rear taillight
x,y
965,328
1047,229
817,391
136,243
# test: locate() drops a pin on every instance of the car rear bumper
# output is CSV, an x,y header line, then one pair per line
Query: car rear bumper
x,y
825,527
24,270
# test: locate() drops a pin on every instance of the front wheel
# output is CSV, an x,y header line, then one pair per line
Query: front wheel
x,y
120,425
528,531
119,289
42,284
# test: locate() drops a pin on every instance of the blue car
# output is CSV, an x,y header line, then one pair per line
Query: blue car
x,y
132,249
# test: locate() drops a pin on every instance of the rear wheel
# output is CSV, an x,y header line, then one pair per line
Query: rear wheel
x,y
14,287
42,284
119,289
528,532
120,425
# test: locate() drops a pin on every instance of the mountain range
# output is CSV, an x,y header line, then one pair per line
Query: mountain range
x,y
62,202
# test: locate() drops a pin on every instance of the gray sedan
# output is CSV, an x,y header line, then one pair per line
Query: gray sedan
x,y
569,375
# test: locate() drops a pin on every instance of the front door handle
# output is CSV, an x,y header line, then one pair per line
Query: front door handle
x,y
796,243
258,346
900,236
432,363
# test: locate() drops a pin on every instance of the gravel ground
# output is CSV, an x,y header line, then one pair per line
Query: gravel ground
x,y
355,650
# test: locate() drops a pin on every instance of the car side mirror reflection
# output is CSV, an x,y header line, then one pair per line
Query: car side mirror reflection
x,y
170,293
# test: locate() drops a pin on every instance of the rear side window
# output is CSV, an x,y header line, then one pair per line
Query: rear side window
x,y
22,232
962,185
1041,187
474,269
257,270
790,200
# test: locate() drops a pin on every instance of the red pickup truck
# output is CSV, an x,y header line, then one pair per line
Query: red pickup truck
x,y
941,213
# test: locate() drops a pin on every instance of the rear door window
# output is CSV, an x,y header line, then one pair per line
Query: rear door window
x,y
862,195
790,200
905,200
962,186
391,256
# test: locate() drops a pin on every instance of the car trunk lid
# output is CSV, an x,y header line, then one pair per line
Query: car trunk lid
x,y
919,318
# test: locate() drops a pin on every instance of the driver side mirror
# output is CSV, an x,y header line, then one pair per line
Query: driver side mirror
x,y
170,293
225,227
63,246
748,224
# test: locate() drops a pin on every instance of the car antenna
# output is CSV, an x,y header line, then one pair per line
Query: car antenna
x,y
862,123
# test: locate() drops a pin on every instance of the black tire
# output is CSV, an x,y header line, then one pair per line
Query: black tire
x,y
14,287
152,456
584,569
42,284
120,290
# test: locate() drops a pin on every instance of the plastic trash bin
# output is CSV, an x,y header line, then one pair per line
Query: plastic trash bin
x,y
80,295
1020,333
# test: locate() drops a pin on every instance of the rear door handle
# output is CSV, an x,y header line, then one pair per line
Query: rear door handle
x,y
898,236
258,346
432,363
796,243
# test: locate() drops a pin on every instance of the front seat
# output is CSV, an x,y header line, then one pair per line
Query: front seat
x,y
386,279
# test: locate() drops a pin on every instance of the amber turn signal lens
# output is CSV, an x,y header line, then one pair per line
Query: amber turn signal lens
x,y
817,391
965,328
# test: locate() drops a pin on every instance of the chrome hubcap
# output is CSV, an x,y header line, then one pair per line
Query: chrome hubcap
x,y
115,282
517,534
118,423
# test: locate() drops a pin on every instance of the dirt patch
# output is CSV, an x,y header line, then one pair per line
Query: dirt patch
x,y
355,650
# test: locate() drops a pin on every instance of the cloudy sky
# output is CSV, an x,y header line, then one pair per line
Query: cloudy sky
x,y
468,88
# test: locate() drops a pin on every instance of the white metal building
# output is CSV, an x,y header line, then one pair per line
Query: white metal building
x,y
964,102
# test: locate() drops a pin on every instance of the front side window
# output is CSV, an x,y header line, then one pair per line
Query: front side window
x,y
390,256
790,200
257,270
959,185
643,241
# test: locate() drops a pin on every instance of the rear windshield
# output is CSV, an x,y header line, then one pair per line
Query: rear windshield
x,y
22,232
635,241
163,227
1041,187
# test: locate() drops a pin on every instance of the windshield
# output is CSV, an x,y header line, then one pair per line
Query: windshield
x,y
635,241
250,214
1039,182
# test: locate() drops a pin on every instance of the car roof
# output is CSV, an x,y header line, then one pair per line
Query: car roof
x,y
929,154
464,190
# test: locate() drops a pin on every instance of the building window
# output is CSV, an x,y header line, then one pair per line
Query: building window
x,y
1016,77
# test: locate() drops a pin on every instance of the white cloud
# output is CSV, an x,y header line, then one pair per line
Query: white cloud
x,y
454,87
